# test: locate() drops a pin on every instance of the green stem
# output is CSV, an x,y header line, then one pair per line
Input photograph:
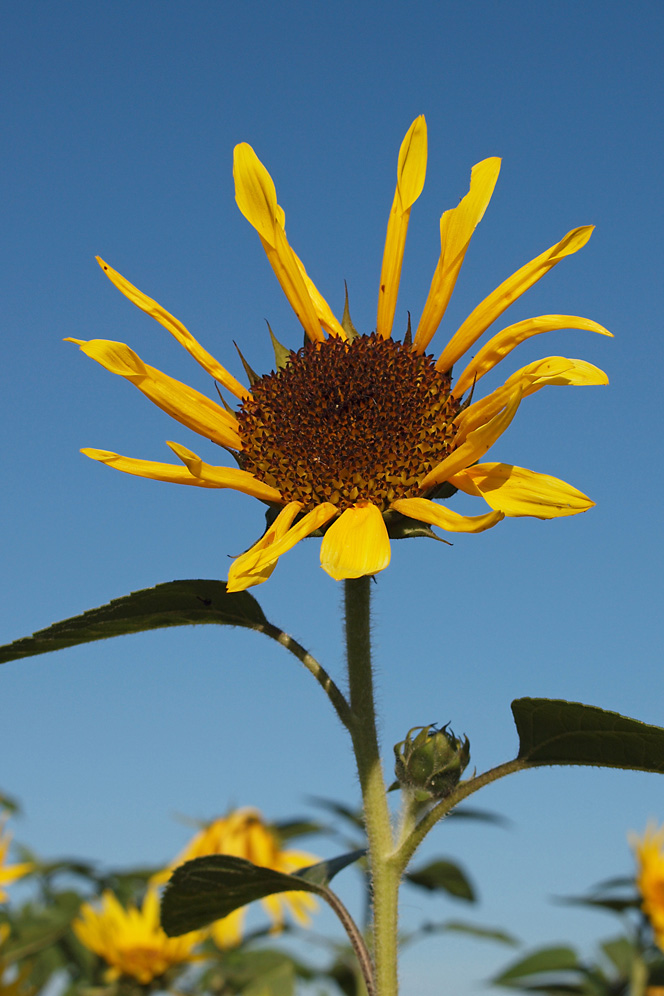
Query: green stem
x,y
333,693
384,871
409,845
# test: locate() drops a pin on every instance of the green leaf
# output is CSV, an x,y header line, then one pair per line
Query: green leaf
x,y
176,603
460,927
444,876
552,731
324,871
209,888
555,959
279,982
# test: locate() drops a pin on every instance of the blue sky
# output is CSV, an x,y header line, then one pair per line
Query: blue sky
x,y
120,127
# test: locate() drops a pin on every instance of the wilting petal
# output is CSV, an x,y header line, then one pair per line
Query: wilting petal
x,y
456,230
256,565
504,342
517,491
225,477
558,371
178,400
438,515
356,544
171,473
474,446
411,170
257,200
497,302
177,329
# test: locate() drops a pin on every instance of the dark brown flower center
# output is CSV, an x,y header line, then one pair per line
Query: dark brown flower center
x,y
346,421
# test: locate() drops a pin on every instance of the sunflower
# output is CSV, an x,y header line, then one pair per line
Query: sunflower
x,y
9,873
649,853
244,834
356,436
131,941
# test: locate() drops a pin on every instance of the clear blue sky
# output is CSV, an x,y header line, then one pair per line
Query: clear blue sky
x,y
118,131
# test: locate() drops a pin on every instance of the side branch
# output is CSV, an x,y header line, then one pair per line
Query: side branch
x,y
333,693
404,853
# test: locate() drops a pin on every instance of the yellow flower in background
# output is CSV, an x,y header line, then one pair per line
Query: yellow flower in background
x,y
649,853
9,873
131,940
243,834
357,435
17,986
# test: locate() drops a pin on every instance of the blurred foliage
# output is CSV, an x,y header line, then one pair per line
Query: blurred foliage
x,y
41,956
628,964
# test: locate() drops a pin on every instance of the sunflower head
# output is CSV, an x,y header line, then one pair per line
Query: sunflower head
x,y
359,436
130,940
244,834
649,854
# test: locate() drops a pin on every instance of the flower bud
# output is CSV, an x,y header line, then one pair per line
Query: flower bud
x,y
431,763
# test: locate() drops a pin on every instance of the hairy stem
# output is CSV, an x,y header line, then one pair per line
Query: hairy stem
x,y
384,871
333,693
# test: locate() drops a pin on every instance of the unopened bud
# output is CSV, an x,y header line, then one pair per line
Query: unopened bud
x,y
431,763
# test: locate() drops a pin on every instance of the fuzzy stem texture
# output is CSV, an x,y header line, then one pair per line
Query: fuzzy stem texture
x,y
384,870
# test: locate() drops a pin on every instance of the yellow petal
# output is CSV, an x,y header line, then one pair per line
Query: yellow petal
x,y
178,400
499,300
257,200
255,193
474,446
177,329
411,170
225,477
256,565
551,371
445,518
323,311
171,473
517,491
227,932
504,342
356,544
456,230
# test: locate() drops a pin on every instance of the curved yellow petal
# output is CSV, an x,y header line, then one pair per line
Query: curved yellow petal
x,y
499,300
552,371
411,170
323,311
497,348
456,230
356,544
171,473
256,198
445,518
256,565
177,329
181,402
475,445
517,491
225,477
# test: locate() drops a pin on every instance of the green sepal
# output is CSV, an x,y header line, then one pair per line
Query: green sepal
x,y
346,322
403,527
209,888
443,876
252,376
553,731
175,603
282,355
